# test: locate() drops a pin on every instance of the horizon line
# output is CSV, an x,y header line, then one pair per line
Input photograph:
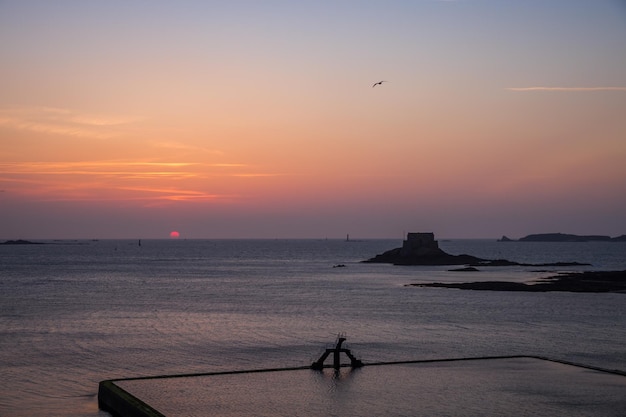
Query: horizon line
x,y
566,89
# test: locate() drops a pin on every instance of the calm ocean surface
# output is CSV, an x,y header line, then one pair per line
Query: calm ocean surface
x,y
73,313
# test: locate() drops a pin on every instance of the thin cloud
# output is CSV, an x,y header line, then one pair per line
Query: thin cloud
x,y
225,165
186,147
253,175
65,122
173,194
93,168
118,180
567,89
116,167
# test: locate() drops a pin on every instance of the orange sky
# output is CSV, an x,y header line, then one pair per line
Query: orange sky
x,y
127,119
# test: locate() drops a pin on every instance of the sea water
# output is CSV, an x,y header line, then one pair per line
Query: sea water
x,y
73,313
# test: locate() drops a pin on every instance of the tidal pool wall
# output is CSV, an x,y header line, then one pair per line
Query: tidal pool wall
x,y
485,386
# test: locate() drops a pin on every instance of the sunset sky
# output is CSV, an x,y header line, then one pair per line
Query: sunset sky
x,y
236,119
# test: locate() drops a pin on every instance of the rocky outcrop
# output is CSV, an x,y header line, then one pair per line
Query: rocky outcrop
x,y
589,281
464,269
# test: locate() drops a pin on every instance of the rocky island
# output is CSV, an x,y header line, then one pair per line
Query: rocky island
x,y
423,249
565,237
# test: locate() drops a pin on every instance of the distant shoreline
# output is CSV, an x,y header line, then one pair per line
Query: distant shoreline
x,y
564,237
21,242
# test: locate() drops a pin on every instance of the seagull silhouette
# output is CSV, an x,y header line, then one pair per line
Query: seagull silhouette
x,y
379,83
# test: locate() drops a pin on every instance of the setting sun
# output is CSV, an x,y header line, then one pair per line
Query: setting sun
x,y
174,234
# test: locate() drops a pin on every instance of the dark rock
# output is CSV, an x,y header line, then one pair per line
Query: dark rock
x,y
482,285
589,281
466,269
505,239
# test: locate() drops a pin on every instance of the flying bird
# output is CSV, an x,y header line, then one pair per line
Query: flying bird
x,y
378,83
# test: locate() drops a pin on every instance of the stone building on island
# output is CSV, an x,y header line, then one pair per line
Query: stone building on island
x,y
420,244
